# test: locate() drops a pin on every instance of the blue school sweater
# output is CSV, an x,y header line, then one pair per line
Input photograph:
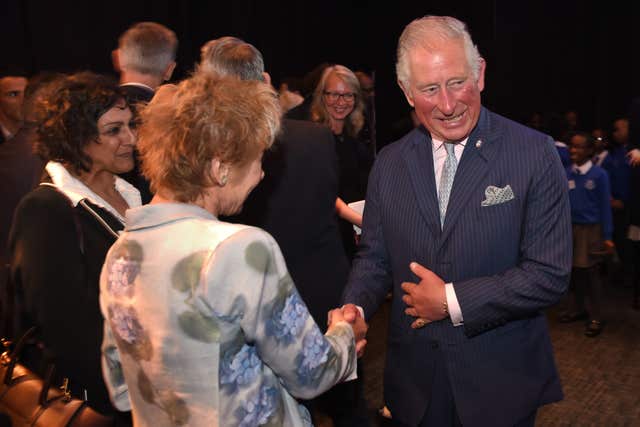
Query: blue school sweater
x,y
589,195
619,171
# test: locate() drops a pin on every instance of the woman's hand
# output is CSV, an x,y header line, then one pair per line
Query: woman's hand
x,y
348,214
609,246
350,314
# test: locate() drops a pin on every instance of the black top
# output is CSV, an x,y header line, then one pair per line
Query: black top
x,y
57,252
295,203
20,171
354,162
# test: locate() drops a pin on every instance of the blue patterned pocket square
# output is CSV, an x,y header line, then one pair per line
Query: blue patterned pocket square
x,y
496,195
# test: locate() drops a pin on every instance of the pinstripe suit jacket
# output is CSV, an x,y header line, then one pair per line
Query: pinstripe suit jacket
x,y
507,262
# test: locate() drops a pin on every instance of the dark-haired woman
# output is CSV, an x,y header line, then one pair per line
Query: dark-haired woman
x,y
63,229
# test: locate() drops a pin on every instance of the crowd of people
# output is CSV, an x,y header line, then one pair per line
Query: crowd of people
x,y
187,250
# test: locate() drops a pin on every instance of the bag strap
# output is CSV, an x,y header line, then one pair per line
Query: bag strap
x,y
43,398
14,355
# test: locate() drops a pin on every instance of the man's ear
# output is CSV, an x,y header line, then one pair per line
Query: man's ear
x,y
169,71
483,67
266,77
407,93
115,59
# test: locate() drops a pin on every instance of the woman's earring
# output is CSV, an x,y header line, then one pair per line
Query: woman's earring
x,y
223,180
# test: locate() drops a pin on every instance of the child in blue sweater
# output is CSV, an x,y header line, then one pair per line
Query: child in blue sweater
x,y
590,198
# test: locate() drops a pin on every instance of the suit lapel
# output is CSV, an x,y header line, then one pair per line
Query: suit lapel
x,y
480,150
418,157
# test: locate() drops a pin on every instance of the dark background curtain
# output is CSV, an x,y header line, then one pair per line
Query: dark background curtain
x,y
542,55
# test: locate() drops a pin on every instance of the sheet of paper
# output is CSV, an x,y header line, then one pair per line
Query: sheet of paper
x,y
358,207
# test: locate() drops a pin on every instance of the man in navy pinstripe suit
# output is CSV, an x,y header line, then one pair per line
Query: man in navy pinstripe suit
x,y
468,341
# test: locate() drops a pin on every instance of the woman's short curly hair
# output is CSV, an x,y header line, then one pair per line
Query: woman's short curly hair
x,y
206,116
69,117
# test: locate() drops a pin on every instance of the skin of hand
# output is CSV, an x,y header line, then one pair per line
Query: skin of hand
x,y
348,214
425,300
609,246
352,315
634,157
617,204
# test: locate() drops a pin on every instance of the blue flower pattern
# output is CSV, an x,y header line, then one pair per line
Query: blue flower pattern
x,y
315,352
122,273
125,323
287,324
241,368
254,392
258,408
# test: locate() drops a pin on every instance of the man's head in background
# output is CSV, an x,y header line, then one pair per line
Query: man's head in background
x,y
146,54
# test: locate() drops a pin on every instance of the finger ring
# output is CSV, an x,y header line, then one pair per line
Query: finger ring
x,y
420,323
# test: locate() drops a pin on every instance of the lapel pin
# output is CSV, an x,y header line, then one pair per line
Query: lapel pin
x,y
479,143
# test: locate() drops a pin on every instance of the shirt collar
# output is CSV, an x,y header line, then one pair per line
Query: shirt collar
x,y
140,85
76,190
163,213
7,134
601,156
437,145
561,144
584,168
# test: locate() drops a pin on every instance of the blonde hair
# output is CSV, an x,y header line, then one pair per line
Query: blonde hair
x,y
426,32
205,117
355,120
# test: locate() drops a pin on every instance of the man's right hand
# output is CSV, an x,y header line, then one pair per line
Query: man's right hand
x,y
354,317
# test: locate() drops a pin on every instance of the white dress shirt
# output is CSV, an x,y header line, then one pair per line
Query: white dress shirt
x,y
439,156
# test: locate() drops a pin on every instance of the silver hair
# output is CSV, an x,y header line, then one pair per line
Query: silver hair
x,y
231,56
425,33
147,48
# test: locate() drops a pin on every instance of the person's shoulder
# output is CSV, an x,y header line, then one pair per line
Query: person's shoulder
x,y
394,148
46,196
291,128
598,172
520,139
249,233
501,124
245,239
43,206
304,138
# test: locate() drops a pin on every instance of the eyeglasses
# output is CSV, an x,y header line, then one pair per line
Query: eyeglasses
x,y
334,96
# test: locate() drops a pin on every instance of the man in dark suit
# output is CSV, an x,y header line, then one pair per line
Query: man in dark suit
x,y
467,221
295,203
145,59
12,86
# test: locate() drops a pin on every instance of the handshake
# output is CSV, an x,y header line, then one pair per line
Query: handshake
x,y
351,314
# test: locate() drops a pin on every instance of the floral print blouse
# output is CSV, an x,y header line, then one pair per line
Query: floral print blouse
x,y
204,327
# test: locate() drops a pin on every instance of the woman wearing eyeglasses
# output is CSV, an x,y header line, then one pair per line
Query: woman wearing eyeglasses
x,y
338,103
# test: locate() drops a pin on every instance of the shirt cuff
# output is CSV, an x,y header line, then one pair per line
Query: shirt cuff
x,y
454,307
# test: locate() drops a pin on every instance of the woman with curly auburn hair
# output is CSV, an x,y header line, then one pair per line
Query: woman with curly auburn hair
x,y
338,103
203,324
63,229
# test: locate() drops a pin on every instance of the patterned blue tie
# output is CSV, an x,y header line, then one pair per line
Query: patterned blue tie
x,y
446,180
